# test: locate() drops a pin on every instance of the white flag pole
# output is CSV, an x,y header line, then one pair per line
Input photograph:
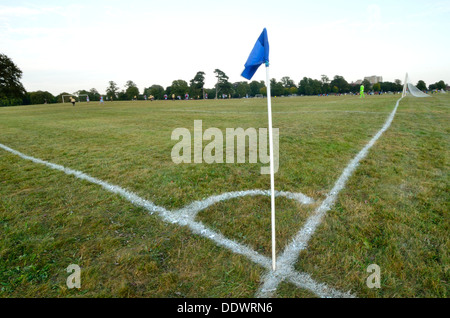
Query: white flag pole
x,y
272,178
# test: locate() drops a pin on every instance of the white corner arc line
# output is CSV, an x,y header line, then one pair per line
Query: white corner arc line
x,y
300,241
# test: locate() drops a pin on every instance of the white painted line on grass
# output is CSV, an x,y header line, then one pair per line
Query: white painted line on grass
x,y
276,112
186,217
290,255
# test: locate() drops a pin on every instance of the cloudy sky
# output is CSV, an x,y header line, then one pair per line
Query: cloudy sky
x,y
71,45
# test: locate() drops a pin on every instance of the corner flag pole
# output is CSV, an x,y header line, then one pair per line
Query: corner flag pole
x,y
258,56
272,178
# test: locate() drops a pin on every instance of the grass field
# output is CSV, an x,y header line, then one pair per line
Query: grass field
x,y
393,211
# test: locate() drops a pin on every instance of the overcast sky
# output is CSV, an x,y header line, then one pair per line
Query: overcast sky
x,y
71,45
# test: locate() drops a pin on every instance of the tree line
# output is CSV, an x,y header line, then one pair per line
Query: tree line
x,y
13,93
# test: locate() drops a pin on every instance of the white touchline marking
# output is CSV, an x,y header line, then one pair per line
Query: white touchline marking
x,y
186,215
291,252
275,112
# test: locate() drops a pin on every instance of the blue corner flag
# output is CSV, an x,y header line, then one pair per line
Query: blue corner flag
x,y
259,55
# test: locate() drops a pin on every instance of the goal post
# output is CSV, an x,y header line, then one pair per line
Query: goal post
x,y
83,98
404,85
66,98
410,89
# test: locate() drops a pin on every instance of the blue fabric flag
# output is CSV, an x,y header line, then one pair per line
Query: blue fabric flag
x,y
259,55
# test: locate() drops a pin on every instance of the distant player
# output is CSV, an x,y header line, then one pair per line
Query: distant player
x,y
165,96
72,100
87,99
101,99
361,91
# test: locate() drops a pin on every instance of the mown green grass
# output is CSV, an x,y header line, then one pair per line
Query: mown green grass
x,y
393,211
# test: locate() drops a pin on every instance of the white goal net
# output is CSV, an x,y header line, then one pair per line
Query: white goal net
x,y
83,98
78,98
410,89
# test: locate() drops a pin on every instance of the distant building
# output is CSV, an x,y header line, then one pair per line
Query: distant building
x,y
374,79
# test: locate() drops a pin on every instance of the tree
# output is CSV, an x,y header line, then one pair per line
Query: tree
x,y
421,85
168,91
131,90
303,86
157,91
438,85
11,89
241,89
112,90
316,86
263,91
340,82
325,79
41,97
335,89
222,86
122,95
179,87
377,87
398,87
276,88
441,85
325,84
255,87
210,92
390,87
309,86
287,82
94,94
197,83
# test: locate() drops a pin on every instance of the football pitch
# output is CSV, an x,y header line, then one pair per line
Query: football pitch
x,y
95,185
